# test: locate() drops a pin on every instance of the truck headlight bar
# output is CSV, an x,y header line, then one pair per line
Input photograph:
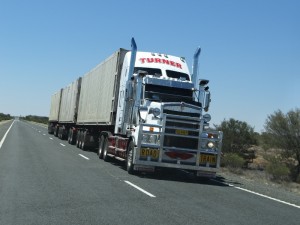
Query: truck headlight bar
x,y
151,139
210,145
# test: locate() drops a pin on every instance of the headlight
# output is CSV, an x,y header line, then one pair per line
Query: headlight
x,y
206,118
210,144
155,111
150,139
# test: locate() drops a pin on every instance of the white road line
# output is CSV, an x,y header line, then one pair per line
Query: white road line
x,y
84,157
62,144
2,140
268,197
261,195
140,189
51,138
44,134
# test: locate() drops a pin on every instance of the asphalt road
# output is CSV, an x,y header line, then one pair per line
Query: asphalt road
x,y
44,180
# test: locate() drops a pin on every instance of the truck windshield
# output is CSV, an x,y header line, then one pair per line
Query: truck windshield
x,y
178,75
150,71
157,72
169,94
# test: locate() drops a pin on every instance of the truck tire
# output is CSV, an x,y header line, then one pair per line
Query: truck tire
x,y
50,129
105,149
101,145
129,158
78,139
83,141
72,137
59,135
56,131
64,133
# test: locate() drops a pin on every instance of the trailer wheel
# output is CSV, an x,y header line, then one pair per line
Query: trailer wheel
x,y
56,131
83,141
105,149
64,133
50,129
59,134
101,145
70,133
129,158
78,139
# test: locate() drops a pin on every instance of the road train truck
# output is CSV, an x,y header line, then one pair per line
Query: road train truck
x,y
143,108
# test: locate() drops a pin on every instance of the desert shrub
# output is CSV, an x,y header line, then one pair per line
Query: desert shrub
x,y
233,162
283,131
37,119
238,136
277,169
5,116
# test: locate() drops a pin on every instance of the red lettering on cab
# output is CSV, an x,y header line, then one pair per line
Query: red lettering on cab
x,y
162,61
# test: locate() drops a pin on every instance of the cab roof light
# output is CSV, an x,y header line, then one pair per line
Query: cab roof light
x,y
182,59
166,56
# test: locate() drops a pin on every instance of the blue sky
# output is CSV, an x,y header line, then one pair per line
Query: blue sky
x,y
250,49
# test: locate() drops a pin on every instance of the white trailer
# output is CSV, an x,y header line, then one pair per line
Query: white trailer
x,y
99,91
54,111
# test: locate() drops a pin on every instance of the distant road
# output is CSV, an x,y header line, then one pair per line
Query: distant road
x,y
44,180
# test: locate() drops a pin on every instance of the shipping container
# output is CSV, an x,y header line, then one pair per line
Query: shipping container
x,y
69,102
55,106
99,91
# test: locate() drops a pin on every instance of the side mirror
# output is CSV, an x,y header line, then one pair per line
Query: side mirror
x,y
206,101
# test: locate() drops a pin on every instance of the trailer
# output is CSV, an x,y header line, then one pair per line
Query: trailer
x,y
54,111
143,108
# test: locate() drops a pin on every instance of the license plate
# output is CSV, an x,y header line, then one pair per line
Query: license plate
x,y
182,132
206,158
145,152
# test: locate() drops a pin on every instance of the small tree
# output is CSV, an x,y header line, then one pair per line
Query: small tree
x,y
238,135
283,131
5,116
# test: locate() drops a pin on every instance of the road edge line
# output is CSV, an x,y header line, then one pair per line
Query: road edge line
x,y
3,139
258,194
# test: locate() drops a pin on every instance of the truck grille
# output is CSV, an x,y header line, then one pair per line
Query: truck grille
x,y
171,112
181,130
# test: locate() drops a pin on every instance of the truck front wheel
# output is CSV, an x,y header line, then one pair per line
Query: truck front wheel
x,y
101,145
129,158
105,149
